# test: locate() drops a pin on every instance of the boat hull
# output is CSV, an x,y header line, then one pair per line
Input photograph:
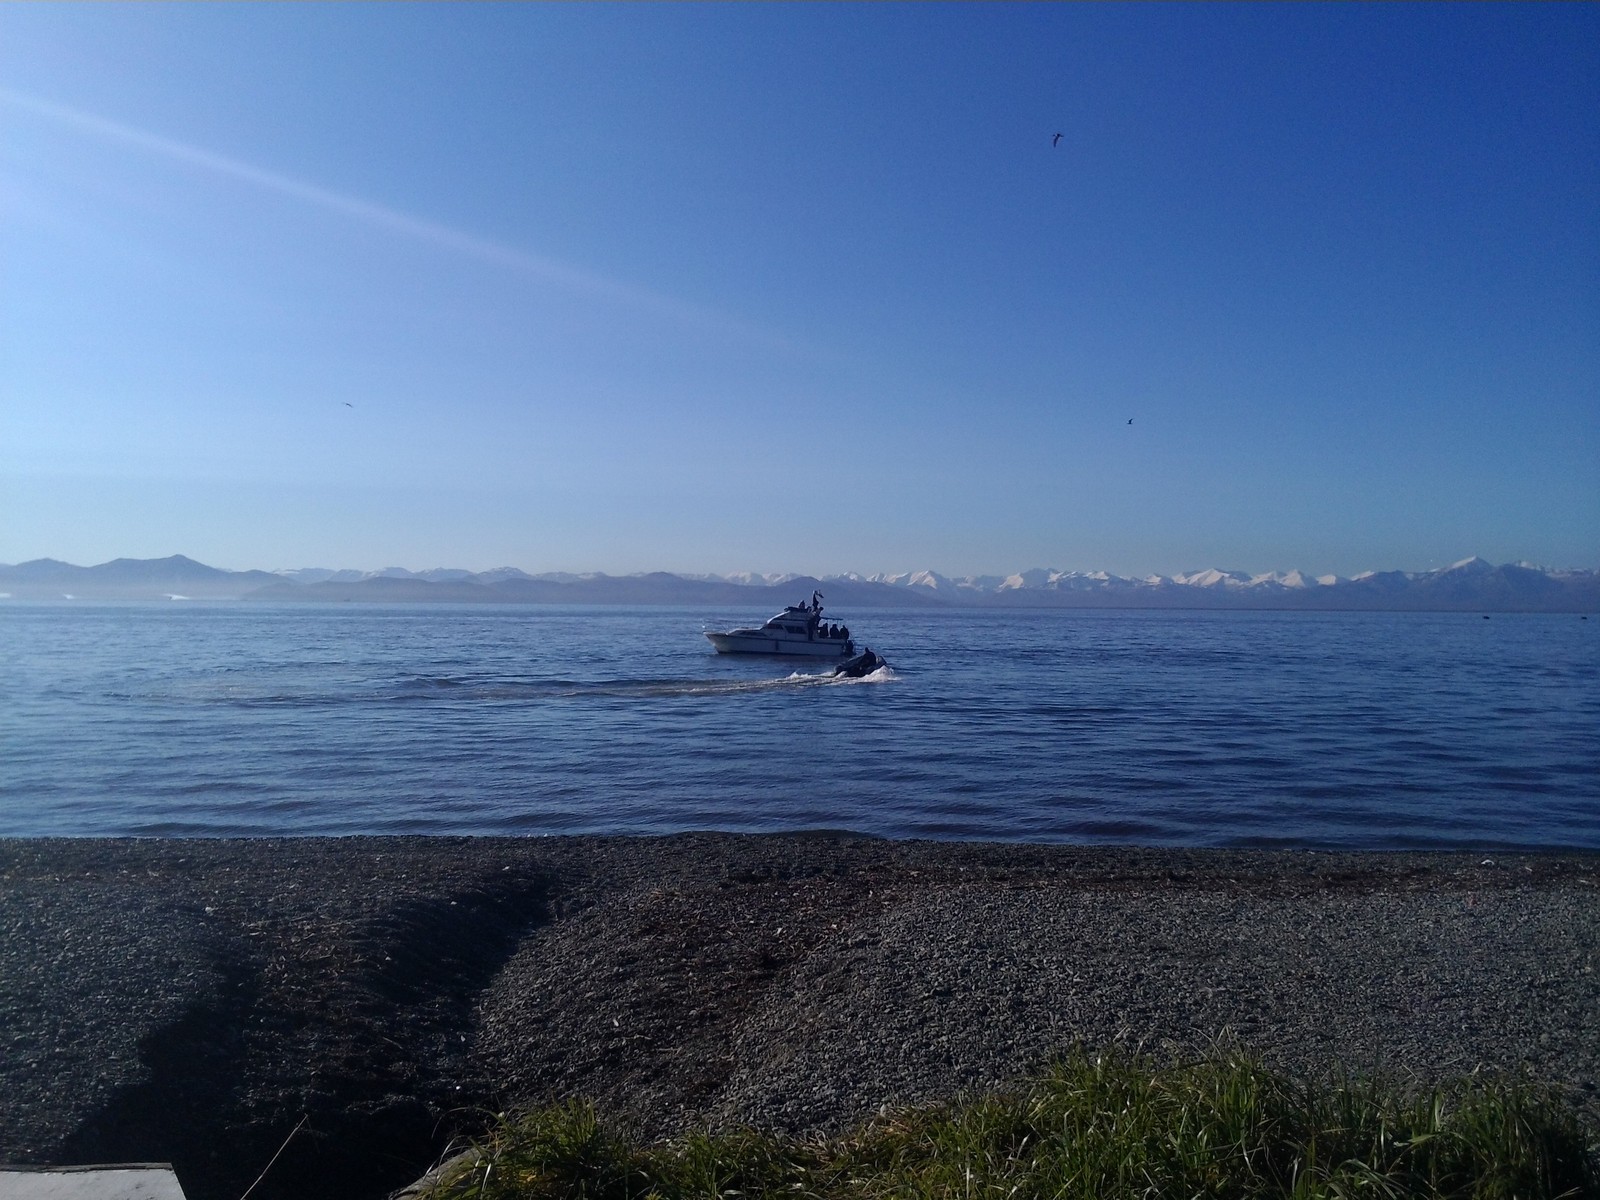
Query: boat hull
x,y
762,642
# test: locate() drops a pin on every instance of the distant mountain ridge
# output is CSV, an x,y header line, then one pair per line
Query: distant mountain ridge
x,y
1470,585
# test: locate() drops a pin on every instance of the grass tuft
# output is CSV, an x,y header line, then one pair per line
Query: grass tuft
x,y
1092,1126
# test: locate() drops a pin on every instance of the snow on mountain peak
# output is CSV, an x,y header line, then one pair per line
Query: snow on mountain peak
x,y
1299,579
1212,578
1036,577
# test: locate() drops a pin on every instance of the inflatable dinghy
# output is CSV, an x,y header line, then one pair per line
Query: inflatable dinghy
x,y
861,665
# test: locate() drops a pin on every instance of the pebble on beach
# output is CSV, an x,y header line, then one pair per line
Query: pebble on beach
x,y
191,1001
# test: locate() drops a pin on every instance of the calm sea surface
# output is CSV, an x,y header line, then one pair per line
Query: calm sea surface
x,y
1188,729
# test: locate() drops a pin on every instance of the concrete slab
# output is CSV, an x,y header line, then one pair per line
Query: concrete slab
x,y
131,1181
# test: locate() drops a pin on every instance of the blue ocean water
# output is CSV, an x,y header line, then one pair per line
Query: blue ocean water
x,y
1154,728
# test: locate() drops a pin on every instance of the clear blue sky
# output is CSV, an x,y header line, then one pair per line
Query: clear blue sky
x,y
772,287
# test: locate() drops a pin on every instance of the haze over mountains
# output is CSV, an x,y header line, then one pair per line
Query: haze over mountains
x,y
1470,585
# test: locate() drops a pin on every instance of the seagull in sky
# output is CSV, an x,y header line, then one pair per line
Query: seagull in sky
x,y
347,404
1130,420
1055,140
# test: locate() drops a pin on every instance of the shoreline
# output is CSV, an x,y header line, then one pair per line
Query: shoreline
x,y
189,1000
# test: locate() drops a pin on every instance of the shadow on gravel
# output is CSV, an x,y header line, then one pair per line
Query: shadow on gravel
x,y
365,1037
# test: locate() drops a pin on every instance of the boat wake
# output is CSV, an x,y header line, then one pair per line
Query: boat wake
x,y
453,690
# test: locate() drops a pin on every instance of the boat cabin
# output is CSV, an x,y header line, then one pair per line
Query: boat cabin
x,y
794,619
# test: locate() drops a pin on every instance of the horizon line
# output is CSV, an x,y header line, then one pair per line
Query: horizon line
x,y
771,578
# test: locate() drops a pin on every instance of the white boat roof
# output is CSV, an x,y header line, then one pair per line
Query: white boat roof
x,y
789,616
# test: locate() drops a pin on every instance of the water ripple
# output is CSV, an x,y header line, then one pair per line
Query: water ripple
x,y
1338,730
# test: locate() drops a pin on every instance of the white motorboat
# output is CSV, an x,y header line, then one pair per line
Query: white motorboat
x,y
797,630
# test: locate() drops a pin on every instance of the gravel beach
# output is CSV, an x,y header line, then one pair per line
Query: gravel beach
x,y
192,1001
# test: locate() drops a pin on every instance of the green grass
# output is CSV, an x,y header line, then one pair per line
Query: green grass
x,y
1119,1125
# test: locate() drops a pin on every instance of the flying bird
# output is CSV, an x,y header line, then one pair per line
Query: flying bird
x,y
1130,420
347,404
1055,140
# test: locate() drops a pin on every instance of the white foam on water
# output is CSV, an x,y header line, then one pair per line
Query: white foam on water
x,y
884,674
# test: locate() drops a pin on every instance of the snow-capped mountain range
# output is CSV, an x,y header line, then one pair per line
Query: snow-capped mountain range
x,y
1471,584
